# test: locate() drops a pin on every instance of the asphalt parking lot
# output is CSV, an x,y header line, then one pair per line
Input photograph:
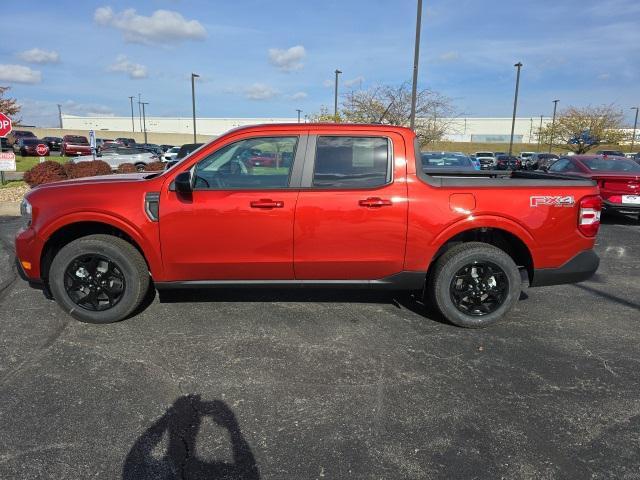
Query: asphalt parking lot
x,y
324,384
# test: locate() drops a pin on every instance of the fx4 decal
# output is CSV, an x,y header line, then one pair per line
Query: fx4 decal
x,y
551,201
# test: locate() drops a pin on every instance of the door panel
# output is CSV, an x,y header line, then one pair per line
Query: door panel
x,y
351,234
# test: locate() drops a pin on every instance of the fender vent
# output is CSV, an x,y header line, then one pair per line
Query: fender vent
x,y
152,205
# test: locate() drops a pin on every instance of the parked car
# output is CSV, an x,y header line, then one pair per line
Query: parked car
x,y
446,160
631,155
99,244
117,156
100,142
611,153
125,141
75,145
617,177
187,149
487,160
15,135
165,147
170,154
149,147
4,145
506,162
541,161
54,143
525,158
27,147
495,154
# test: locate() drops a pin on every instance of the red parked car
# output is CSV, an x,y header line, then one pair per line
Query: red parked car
x,y
617,177
354,208
75,145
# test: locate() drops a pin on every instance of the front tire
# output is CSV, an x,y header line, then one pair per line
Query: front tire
x,y
474,284
99,278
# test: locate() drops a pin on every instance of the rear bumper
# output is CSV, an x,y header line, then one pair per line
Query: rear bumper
x,y
620,207
577,269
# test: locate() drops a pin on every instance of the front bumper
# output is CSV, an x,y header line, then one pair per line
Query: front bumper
x,y
577,269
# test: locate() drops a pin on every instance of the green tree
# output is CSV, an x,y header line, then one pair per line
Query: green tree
x,y
581,129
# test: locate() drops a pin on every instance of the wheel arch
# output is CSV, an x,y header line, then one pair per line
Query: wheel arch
x,y
70,229
516,242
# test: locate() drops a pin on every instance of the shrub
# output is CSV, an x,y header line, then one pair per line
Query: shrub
x,y
154,166
88,169
45,172
126,168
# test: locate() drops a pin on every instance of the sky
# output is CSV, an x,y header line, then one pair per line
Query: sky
x,y
267,58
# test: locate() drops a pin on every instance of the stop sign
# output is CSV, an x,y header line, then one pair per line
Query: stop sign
x,y
42,149
5,125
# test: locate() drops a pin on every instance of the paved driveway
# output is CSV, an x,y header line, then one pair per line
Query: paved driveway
x,y
324,384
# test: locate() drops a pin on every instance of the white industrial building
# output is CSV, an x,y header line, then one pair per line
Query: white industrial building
x,y
490,130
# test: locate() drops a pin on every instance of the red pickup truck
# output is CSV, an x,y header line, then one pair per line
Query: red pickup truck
x,y
353,208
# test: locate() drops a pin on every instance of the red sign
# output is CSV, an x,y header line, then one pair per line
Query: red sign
x,y
42,149
5,125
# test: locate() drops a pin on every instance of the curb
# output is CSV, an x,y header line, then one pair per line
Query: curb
x,y
9,209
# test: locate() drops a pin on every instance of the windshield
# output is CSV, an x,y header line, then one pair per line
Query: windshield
x,y
78,140
31,141
484,154
611,165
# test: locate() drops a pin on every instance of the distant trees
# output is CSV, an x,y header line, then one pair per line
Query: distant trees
x,y
8,106
392,105
581,129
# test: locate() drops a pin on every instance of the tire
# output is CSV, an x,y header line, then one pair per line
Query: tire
x,y
131,284
477,258
140,166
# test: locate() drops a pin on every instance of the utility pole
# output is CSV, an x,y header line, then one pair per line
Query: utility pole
x,y
515,106
144,120
416,59
635,126
553,124
335,97
60,115
539,134
193,102
140,111
133,124
299,112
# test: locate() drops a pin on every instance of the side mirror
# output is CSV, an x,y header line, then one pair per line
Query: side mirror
x,y
183,182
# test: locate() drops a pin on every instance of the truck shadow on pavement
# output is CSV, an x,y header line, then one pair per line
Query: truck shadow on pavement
x,y
167,450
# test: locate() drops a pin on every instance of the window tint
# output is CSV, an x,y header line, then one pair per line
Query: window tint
x,y
254,163
351,162
559,166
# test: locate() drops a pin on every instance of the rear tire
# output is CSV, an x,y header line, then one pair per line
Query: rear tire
x,y
474,285
112,296
140,167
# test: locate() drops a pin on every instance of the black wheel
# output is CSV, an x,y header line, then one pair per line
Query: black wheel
x,y
140,167
99,278
474,284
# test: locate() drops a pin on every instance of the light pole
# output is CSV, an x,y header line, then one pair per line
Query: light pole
x,y
60,114
553,124
539,134
635,126
144,121
193,102
515,106
133,124
416,59
140,111
335,97
299,112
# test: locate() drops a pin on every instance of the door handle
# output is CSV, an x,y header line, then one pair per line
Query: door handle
x,y
267,203
374,202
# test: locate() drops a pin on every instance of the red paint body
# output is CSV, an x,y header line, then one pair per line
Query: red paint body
x,y
305,233
71,146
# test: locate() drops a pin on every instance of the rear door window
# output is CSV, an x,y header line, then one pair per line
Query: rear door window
x,y
352,162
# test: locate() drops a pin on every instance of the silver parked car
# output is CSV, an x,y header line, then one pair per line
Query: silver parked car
x,y
117,156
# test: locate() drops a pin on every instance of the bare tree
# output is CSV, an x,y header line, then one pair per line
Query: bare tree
x,y
8,106
392,105
581,129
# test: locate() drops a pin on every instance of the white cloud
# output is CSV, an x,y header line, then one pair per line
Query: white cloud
x,y
449,56
354,81
260,91
163,26
298,96
44,113
328,83
287,60
604,76
134,70
37,55
19,74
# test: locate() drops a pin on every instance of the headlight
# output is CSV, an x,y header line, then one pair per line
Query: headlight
x,y
25,210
